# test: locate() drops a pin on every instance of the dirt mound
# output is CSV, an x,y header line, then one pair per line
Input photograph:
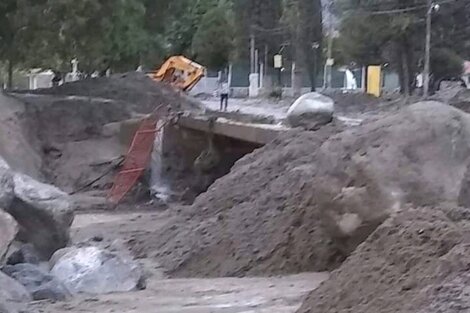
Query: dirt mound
x,y
17,144
142,93
77,129
305,201
448,91
415,262
460,100
358,103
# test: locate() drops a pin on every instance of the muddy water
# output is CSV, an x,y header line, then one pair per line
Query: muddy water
x,y
224,295
164,295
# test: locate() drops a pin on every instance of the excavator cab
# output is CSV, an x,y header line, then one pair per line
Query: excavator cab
x,y
179,72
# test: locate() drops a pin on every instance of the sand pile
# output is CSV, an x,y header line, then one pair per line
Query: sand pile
x,y
417,261
305,201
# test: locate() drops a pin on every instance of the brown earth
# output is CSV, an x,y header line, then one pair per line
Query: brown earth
x,y
417,261
164,295
16,146
66,126
305,201
461,100
136,89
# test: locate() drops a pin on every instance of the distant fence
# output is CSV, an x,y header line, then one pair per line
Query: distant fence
x,y
239,81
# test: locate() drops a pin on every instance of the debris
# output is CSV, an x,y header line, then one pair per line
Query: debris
x,y
44,213
308,199
141,92
6,185
92,270
12,291
26,253
8,231
402,267
40,284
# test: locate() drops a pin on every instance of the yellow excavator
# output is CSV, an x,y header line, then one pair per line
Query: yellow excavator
x,y
179,72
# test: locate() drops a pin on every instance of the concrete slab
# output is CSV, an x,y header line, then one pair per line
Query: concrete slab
x,y
249,132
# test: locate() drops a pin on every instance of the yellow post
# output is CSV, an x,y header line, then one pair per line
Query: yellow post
x,y
374,80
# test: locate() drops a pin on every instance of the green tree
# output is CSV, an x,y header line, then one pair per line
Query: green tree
x,y
100,34
186,19
50,33
213,41
375,32
260,18
304,20
19,21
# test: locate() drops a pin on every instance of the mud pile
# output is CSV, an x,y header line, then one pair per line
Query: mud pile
x,y
136,89
78,129
417,261
305,201
460,99
354,103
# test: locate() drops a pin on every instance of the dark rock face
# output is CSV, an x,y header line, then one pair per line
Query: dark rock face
x,y
38,282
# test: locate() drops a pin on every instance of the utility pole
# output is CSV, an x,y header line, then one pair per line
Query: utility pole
x,y
327,75
252,53
427,53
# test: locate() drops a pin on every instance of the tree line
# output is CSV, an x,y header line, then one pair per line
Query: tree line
x,y
123,34
393,32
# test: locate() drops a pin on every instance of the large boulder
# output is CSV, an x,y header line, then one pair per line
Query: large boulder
x,y
92,270
44,212
311,111
38,282
12,291
6,185
8,232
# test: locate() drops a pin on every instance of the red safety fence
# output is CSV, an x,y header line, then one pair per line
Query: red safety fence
x,y
137,159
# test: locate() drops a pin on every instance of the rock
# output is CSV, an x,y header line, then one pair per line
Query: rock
x,y
44,213
58,255
26,253
12,291
8,232
11,307
6,185
97,238
38,282
311,111
92,270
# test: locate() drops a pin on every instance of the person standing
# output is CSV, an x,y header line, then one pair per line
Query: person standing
x,y
419,83
224,92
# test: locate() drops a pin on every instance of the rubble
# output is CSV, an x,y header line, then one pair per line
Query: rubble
x,y
39,283
6,185
305,201
8,231
92,270
25,253
361,196
12,291
44,214
414,262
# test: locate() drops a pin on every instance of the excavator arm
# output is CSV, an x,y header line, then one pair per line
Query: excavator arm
x,y
180,72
